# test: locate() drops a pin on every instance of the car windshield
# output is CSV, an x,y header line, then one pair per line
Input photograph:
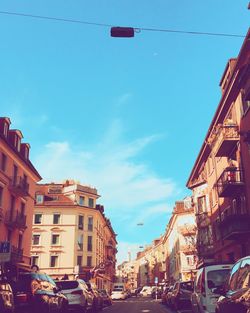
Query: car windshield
x,y
217,278
67,284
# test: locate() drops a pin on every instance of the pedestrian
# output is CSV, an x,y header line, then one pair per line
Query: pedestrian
x,y
65,277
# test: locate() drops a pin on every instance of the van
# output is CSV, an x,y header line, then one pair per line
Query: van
x,y
204,298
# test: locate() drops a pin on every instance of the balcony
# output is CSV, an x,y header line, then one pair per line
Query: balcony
x,y
230,182
187,230
202,219
188,249
19,186
16,254
205,250
234,226
226,139
15,219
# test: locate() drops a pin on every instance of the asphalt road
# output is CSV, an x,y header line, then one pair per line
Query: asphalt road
x,y
140,305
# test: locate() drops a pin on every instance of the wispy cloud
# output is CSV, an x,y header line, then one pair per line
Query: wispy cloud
x,y
130,190
123,99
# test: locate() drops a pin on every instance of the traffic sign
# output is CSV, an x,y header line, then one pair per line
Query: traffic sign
x,y
4,251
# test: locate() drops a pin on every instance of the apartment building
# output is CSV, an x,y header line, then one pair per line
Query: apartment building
x,y
18,178
180,240
220,178
71,234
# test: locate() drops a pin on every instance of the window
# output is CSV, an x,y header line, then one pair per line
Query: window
x,y
246,103
81,200
53,261
89,243
80,221
90,223
91,202
15,170
80,242
190,260
243,279
39,199
22,208
5,130
34,260
233,277
79,260
36,239
201,205
38,218
1,195
89,261
3,162
56,218
55,239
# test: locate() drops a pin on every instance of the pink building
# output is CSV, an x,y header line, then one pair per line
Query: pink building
x,y
18,178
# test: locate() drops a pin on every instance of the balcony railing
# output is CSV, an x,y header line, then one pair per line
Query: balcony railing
x,y
202,219
205,250
19,186
230,182
187,230
15,219
188,249
16,254
225,140
234,225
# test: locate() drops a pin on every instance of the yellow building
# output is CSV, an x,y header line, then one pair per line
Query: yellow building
x,y
71,234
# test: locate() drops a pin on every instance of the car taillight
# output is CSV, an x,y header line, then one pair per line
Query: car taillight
x,y
76,292
22,297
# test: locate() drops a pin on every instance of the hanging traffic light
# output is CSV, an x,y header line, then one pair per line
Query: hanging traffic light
x,y
124,32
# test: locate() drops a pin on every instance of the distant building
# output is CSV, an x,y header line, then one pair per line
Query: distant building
x,y
18,178
220,178
180,240
71,234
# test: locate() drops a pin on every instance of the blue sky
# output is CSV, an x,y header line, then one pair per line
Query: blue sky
x,y
127,116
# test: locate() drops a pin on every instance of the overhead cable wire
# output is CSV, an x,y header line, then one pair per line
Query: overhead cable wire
x,y
68,20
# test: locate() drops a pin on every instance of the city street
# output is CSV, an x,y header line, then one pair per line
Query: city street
x,y
140,305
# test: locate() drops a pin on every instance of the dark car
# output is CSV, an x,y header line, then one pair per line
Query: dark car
x,y
37,292
156,292
6,297
106,299
235,295
98,301
181,295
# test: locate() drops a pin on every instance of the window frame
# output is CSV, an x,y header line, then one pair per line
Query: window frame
x,y
59,219
55,259
36,214
39,239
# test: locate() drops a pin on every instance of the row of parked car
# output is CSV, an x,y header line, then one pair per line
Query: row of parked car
x,y
217,288
39,292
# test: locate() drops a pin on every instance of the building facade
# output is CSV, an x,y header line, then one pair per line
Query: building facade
x,y
71,234
220,178
18,178
180,240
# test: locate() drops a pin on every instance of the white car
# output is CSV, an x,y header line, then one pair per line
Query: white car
x,y
208,278
146,291
118,295
76,293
